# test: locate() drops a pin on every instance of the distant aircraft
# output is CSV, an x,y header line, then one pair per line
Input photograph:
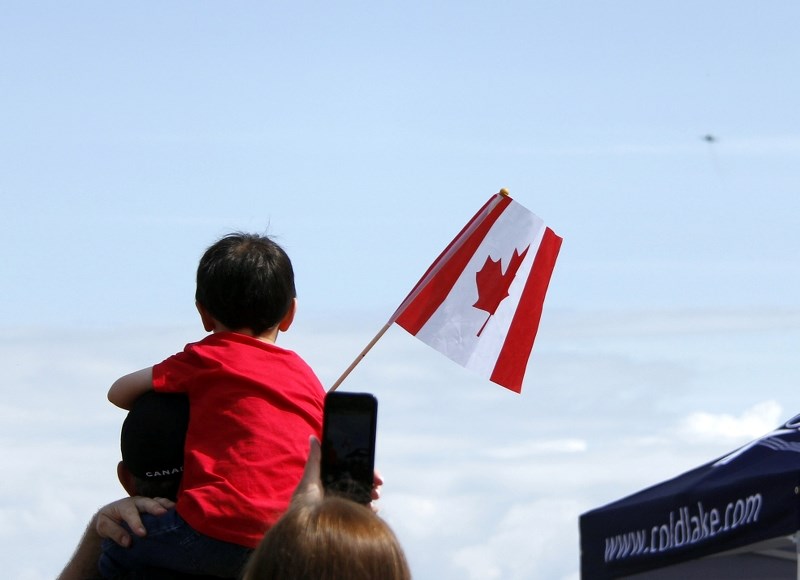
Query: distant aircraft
x,y
709,138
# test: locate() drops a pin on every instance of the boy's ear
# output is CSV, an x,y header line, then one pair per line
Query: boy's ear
x,y
126,479
288,318
208,321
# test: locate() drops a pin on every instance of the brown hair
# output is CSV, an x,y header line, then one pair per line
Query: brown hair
x,y
335,539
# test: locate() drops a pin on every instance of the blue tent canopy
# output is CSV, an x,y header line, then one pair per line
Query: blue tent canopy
x,y
740,506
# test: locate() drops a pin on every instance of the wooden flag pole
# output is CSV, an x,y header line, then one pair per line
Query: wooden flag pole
x,y
364,352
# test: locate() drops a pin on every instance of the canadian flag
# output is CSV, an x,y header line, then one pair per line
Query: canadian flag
x,y
480,302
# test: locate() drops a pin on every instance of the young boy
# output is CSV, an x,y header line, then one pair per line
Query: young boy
x,y
252,407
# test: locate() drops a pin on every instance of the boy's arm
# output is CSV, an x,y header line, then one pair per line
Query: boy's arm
x,y
127,389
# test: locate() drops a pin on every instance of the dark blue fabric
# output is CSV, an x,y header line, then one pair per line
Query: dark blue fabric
x,y
747,496
171,544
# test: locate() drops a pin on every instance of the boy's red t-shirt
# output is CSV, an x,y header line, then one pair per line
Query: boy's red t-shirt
x,y
252,408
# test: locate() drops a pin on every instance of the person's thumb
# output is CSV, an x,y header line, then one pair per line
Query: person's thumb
x,y
309,490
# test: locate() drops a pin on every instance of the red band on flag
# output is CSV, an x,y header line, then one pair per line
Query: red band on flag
x,y
510,367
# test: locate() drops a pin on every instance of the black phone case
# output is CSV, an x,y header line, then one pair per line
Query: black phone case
x,y
348,445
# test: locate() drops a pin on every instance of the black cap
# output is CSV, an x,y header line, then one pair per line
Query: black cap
x,y
153,435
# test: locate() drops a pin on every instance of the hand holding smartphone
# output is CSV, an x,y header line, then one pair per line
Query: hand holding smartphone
x,y
348,444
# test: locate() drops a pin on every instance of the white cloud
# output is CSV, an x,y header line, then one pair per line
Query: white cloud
x,y
479,480
535,448
529,542
751,423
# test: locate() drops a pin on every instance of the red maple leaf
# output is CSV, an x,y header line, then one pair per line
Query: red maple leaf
x,y
493,284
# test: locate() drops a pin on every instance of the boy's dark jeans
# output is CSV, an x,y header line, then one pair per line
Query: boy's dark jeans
x,y
172,544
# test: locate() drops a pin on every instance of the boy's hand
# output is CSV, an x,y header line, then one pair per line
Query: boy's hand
x,y
108,521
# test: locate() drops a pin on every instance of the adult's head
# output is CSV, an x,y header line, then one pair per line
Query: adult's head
x,y
332,539
246,281
151,441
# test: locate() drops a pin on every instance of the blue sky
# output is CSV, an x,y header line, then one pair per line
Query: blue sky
x,y
363,136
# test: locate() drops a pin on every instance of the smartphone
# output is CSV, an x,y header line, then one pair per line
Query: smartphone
x,y
349,425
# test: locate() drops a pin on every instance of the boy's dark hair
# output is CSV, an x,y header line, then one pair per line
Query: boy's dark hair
x,y
246,281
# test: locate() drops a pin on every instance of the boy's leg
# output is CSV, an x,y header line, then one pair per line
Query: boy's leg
x,y
172,544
